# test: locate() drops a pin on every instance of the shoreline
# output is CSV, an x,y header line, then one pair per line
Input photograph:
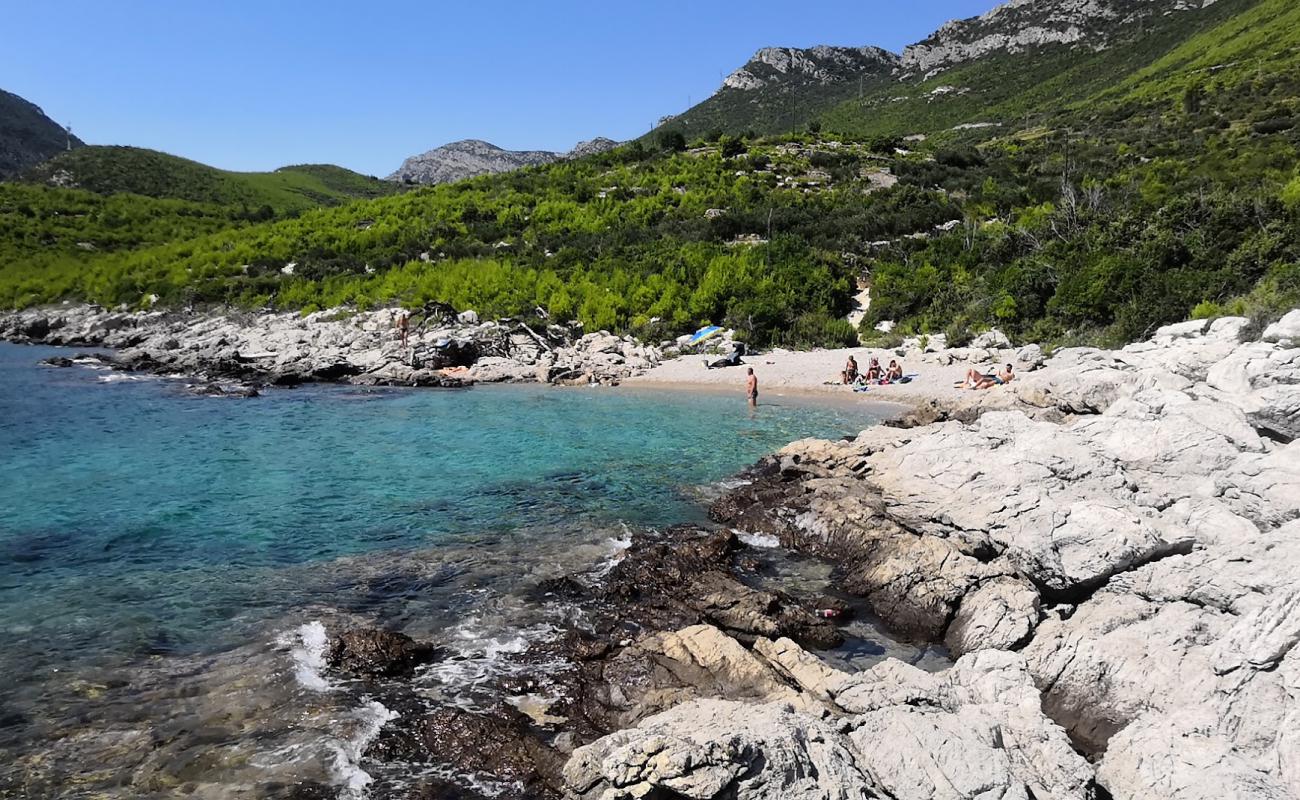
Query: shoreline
x,y
799,396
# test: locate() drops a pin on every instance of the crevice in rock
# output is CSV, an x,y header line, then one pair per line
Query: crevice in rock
x,y
1083,592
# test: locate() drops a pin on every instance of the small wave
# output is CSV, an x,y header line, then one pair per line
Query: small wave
x,y
617,546
307,645
483,654
763,540
118,377
346,767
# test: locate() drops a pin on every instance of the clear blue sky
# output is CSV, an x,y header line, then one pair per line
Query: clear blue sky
x,y
256,85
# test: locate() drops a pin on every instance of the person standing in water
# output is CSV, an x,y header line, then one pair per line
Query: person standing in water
x,y
751,388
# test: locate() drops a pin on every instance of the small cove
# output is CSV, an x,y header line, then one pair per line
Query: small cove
x,y
156,545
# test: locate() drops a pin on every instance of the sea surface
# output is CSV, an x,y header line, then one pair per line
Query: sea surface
x,y
170,563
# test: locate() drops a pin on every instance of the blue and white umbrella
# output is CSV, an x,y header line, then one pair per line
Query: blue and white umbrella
x,y
704,333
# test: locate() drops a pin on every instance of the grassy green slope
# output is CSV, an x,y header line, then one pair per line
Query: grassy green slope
x,y
1256,41
133,170
1042,85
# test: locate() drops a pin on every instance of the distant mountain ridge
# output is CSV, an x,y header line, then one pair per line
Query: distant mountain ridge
x,y
470,158
28,136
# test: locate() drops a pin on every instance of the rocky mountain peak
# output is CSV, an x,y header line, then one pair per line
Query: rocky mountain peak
x,y
470,158
821,64
591,147
1018,25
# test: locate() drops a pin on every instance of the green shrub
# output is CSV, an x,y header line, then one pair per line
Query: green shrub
x,y
818,329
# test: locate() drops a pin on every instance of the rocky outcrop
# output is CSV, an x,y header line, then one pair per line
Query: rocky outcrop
x,y
892,731
467,159
1020,25
1129,521
443,349
473,157
591,147
817,65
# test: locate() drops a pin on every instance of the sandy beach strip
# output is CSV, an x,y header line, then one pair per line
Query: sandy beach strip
x,y
812,372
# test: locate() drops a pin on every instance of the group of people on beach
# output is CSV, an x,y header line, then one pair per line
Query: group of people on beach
x,y
875,373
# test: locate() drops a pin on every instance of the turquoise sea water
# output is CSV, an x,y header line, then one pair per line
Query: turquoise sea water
x,y
142,526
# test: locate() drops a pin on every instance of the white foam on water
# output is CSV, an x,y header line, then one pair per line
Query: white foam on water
x,y
483,654
727,484
117,377
307,647
763,540
346,766
616,548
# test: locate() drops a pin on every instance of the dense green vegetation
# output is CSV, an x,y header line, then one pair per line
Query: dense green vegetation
x,y
1169,189
134,170
637,239
1111,193
53,241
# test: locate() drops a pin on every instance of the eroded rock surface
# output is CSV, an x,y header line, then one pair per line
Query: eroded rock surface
x,y
891,732
1127,520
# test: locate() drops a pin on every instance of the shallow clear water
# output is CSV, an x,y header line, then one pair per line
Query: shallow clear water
x,y
144,529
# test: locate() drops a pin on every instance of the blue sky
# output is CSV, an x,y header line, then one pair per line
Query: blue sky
x,y
257,85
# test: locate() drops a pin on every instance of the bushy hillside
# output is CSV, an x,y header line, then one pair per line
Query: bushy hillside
x,y
134,170
627,239
1061,194
53,241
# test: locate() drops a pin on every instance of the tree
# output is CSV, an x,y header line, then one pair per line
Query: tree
x,y
731,147
672,140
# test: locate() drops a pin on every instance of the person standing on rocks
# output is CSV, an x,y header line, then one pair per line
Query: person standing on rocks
x,y
751,388
404,327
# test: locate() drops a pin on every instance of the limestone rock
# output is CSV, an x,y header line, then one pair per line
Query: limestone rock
x,y
974,731
991,340
999,615
1285,330
717,748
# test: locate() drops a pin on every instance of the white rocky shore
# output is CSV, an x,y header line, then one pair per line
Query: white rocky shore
x,y
1111,550
359,347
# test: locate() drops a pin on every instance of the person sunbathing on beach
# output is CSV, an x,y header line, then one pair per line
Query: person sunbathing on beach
x,y
874,372
894,372
978,380
850,372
